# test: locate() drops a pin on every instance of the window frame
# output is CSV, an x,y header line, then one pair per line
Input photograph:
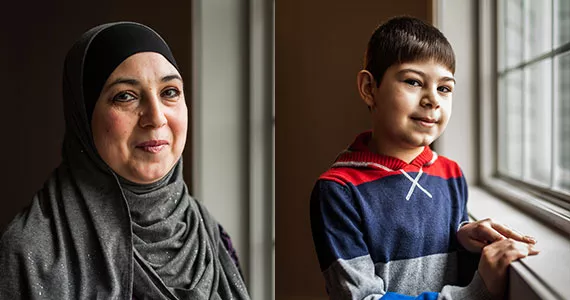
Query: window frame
x,y
551,207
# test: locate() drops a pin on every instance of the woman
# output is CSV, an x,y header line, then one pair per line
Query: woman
x,y
115,220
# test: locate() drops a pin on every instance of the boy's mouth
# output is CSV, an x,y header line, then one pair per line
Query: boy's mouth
x,y
425,121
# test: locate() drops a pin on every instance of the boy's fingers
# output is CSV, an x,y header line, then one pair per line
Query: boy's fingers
x,y
477,244
513,234
532,250
489,234
519,250
520,246
507,232
529,239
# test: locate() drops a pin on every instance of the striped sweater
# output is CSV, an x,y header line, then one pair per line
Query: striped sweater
x,y
386,229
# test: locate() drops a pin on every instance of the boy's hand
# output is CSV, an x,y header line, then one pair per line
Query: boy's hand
x,y
474,236
495,259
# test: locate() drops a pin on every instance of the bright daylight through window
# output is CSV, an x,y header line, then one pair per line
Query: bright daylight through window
x,y
534,93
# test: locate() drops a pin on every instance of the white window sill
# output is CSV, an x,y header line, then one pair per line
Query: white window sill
x,y
544,276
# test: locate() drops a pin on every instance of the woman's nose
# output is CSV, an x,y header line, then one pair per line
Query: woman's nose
x,y
152,113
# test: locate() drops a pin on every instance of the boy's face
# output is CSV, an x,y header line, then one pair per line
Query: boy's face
x,y
412,105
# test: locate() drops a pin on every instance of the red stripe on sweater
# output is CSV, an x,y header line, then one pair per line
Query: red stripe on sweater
x,y
443,168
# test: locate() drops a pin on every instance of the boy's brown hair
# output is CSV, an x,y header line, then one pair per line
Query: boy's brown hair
x,y
406,39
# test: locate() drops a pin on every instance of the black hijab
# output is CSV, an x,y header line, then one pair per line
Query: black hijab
x,y
91,234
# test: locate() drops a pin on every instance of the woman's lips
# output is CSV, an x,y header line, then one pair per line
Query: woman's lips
x,y
152,146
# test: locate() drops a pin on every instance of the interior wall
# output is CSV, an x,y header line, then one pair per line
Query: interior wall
x,y
318,52
458,22
36,37
220,117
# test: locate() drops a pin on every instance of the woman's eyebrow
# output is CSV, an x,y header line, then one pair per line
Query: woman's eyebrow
x,y
122,80
171,77
132,81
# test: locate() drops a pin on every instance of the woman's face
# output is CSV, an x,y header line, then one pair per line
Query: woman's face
x,y
140,120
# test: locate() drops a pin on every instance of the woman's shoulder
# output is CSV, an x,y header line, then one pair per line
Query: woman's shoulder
x,y
29,247
29,228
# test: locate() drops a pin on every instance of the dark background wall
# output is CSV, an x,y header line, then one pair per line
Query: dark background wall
x,y
318,51
35,38
319,46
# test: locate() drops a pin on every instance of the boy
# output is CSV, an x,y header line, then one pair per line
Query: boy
x,y
389,218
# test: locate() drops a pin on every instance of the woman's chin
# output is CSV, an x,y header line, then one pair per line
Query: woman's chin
x,y
147,176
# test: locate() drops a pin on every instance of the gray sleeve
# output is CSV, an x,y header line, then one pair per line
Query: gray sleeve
x,y
356,279
474,291
353,279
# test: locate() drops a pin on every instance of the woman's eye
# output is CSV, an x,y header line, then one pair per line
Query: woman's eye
x,y
412,82
171,93
123,97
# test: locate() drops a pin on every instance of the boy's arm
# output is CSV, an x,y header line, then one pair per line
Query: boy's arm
x,y
474,236
344,258
343,255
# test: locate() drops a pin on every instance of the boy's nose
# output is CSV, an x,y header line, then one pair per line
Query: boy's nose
x,y
430,100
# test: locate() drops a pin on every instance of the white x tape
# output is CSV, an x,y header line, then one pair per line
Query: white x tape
x,y
414,184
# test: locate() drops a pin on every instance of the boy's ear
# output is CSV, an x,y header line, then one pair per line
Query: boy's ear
x,y
366,87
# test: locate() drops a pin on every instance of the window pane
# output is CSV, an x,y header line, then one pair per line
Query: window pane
x,y
539,25
513,32
510,116
563,123
562,15
501,36
502,126
537,123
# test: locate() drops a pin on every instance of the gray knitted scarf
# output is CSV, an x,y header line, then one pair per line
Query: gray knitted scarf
x,y
89,234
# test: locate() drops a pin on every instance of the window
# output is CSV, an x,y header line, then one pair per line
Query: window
x,y
533,92
522,100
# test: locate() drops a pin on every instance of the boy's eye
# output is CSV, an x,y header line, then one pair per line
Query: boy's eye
x,y
444,89
171,93
124,97
412,82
